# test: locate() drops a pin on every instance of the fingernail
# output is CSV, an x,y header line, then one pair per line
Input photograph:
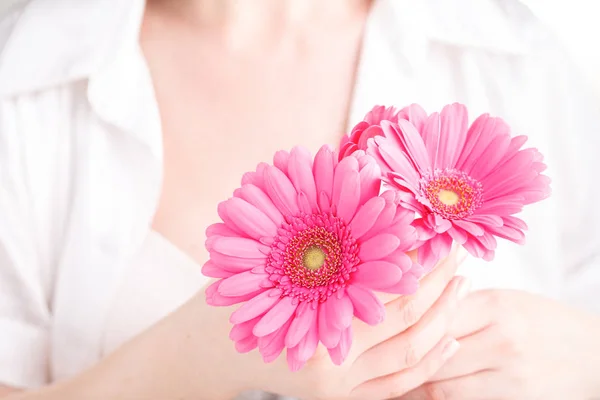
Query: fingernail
x,y
450,349
463,288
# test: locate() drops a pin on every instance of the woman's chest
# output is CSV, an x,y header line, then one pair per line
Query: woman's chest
x,y
223,115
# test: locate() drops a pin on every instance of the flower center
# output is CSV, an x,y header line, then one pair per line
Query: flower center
x,y
448,197
450,193
314,258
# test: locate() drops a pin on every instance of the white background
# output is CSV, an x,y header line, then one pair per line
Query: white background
x,y
573,21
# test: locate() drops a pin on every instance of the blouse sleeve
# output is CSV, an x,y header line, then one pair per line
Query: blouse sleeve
x,y
24,280
576,117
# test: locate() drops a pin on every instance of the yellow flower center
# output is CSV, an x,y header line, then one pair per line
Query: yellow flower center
x,y
313,258
448,197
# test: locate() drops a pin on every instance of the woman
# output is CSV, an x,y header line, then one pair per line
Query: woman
x,y
123,124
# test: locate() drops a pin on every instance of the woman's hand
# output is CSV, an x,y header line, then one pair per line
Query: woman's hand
x,y
515,345
385,361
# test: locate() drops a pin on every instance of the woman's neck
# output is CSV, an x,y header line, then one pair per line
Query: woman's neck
x,y
248,18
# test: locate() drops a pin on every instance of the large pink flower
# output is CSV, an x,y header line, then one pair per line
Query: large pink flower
x,y
465,183
304,244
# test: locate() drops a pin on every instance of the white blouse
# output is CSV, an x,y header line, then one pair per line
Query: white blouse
x,y
81,157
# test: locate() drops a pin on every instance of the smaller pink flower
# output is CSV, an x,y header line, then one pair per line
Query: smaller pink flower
x,y
304,244
464,182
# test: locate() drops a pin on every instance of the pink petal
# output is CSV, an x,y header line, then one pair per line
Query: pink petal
x,y
259,199
400,259
349,196
458,235
301,175
213,270
281,160
227,219
304,204
407,286
254,307
384,220
434,250
328,334
339,353
243,330
488,241
242,284
323,168
469,227
487,220
366,216
403,215
276,317
377,275
340,311
256,178
492,155
212,288
515,144
272,345
363,159
479,136
415,114
324,202
220,229
240,247
370,132
370,181
235,264
308,345
395,159
475,248
225,301
424,230
281,191
347,148
367,307
454,123
431,137
412,143
294,363
512,234
514,222
342,170
438,223
246,345
250,219
378,247
305,317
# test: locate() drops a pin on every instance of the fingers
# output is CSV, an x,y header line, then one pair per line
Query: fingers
x,y
479,386
394,385
405,311
476,312
477,352
406,349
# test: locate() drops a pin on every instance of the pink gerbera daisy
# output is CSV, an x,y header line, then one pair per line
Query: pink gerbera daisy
x,y
304,244
465,183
